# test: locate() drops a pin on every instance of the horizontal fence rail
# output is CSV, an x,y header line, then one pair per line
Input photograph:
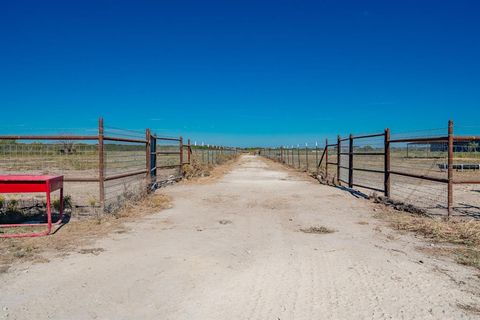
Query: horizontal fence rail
x,y
104,170
419,169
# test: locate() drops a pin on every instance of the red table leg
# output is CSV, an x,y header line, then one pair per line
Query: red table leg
x,y
18,184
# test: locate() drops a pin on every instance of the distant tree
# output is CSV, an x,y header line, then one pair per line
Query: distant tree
x,y
7,142
472,146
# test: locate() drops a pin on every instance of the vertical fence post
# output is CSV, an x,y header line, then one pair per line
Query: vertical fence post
x,y
298,156
153,159
148,152
306,156
180,146
350,161
339,163
387,163
189,151
316,154
326,159
101,164
450,169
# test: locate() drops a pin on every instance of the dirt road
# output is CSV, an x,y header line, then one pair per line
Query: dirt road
x,y
233,250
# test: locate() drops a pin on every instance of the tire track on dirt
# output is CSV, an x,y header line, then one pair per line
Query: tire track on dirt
x,y
182,263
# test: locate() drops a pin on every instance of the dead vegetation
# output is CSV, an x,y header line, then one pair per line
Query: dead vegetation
x,y
82,232
457,237
197,171
77,233
317,230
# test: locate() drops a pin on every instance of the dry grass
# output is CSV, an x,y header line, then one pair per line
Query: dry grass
x,y
469,308
198,172
455,231
77,233
463,234
196,169
317,230
468,257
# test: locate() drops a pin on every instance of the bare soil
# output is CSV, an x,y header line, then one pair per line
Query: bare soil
x,y
232,249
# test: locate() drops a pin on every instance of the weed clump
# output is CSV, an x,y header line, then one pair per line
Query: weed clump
x,y
317,230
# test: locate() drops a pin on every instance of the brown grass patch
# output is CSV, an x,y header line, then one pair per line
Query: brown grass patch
x,y
317,230
200,173
462,233
468,257
94,251
456,231
363,223
469,308
77,233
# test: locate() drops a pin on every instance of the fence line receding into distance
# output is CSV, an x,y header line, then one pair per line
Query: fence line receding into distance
x,y
433,170
104,169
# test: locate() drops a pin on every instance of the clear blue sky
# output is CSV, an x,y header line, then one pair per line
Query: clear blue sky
x,y
240,72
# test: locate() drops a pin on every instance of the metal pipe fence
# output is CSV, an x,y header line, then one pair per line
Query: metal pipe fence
x,y
105,169
433,170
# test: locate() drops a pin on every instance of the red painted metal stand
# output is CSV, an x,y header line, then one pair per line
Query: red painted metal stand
x,y
28,184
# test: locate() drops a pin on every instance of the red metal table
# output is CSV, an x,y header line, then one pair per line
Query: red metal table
x,y
29,184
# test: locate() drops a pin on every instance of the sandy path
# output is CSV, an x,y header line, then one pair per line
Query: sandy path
x,y
184,264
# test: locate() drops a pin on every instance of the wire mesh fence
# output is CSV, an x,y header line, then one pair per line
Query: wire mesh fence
x,y
102,167
434,170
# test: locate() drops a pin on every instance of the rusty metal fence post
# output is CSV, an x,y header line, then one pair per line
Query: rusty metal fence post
x,y
450,169
326,159
306,155
101,164
350,161
339,148
180,144
298,156
189,151
153,159
387,163
148,153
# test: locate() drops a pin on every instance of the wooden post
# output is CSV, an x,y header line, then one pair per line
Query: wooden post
x,y
316,154
339,148
350,161
180,145
387,163
450,168
101,164
326,159
148,152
